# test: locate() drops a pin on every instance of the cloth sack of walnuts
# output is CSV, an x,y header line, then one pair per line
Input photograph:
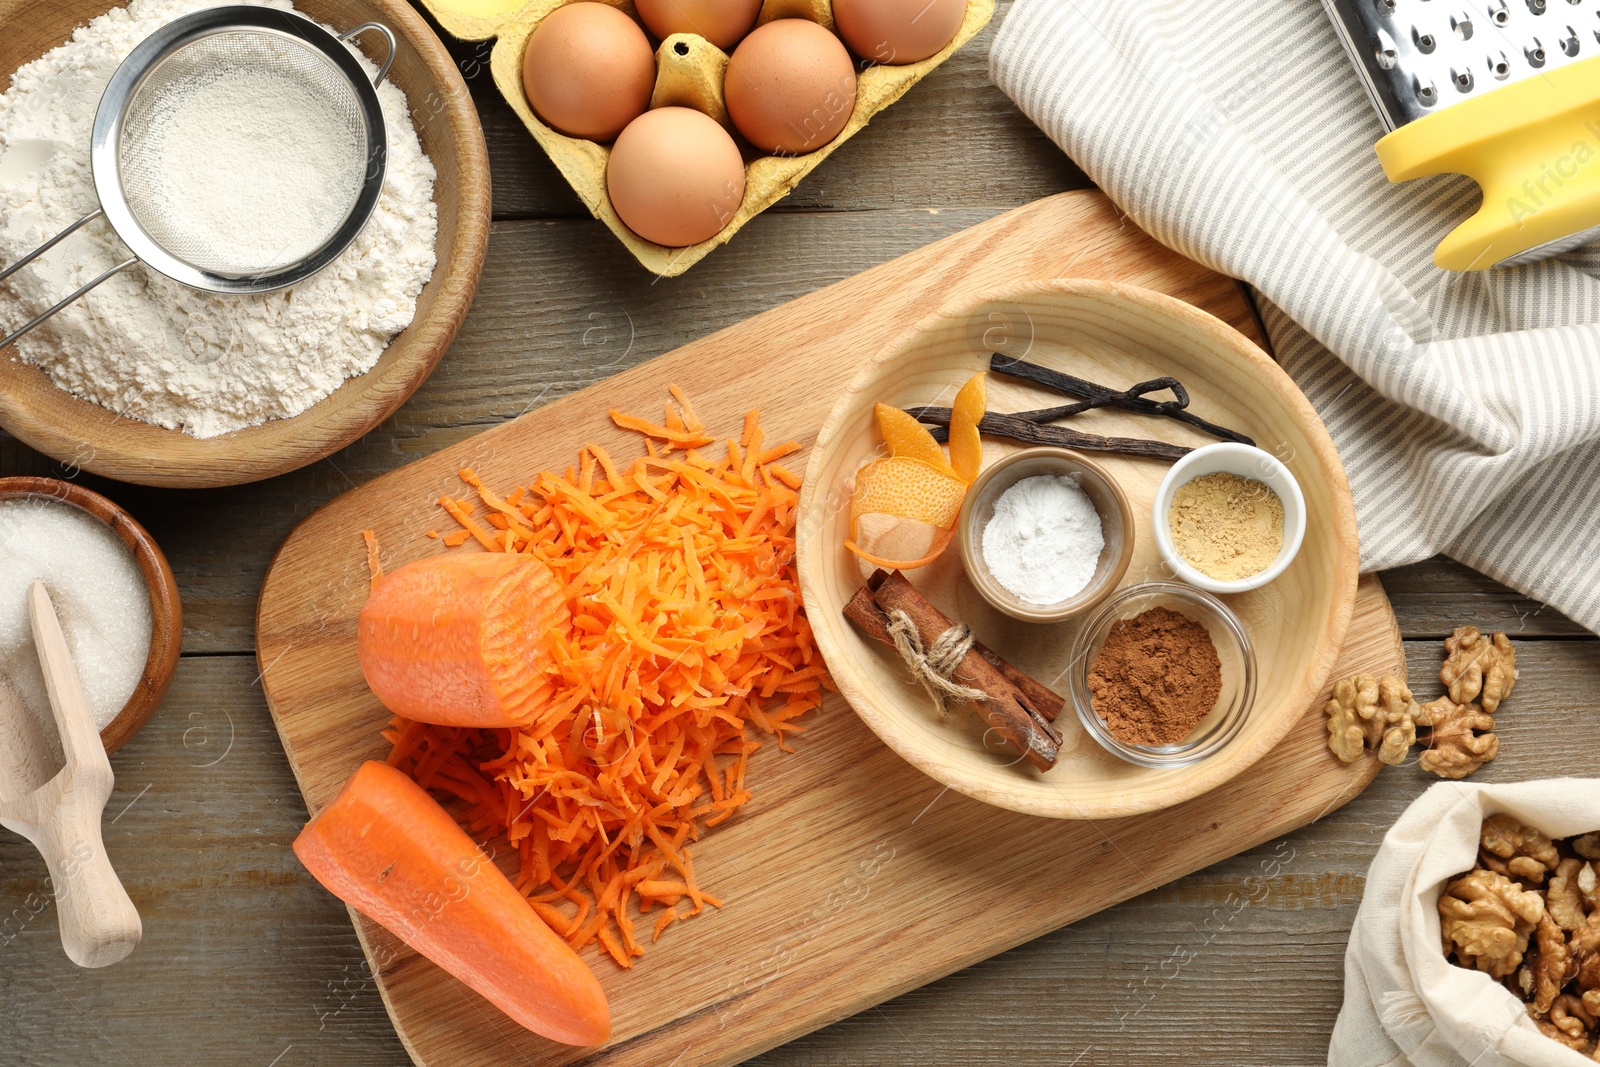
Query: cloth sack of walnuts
x,y
1404,1002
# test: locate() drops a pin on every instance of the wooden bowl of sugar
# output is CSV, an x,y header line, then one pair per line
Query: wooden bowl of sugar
x,y
82,571
86,435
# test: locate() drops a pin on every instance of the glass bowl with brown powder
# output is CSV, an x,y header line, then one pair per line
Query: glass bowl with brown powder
x,y
1163,675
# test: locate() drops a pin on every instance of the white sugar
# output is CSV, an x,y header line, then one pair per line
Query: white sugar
x,y
99,594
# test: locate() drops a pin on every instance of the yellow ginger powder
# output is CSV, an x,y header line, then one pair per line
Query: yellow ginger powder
x,y
1226,526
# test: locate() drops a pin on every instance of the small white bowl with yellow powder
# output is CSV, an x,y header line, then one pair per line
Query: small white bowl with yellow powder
x,y
1229,518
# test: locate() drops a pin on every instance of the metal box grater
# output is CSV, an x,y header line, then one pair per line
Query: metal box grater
x,y
1506,91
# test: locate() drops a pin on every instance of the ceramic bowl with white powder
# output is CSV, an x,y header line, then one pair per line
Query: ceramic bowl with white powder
x,y
1045,534
1044,538
99,595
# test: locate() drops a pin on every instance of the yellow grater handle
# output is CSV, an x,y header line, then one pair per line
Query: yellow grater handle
x,y
1532,146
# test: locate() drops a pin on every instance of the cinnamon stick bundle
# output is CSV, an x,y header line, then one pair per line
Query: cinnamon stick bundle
x,y
1018,707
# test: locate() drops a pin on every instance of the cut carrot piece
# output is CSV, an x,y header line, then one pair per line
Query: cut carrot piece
x,y
457,640
908,439
387,849
966,447
682,438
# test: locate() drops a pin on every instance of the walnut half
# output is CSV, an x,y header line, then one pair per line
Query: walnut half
x,y
1515,850
1397,713
1372,713
1568,1023
1565,898
1488,919
1551,961
1460,738
1585,947
1478,666
1347,729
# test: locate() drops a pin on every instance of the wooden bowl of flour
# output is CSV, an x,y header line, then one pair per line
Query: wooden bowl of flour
x,y
85,435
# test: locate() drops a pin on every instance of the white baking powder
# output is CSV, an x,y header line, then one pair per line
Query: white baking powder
x,y
1044,539
150,348
99,595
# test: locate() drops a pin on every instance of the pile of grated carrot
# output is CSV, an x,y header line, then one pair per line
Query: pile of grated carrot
x,y
687,631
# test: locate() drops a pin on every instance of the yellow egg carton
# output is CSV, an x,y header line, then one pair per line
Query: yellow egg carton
x,y
689,72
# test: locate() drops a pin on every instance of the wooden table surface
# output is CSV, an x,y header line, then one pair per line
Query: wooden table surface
x,y
246,961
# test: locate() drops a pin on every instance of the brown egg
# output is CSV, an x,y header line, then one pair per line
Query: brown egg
x,y
898,31
588,70
722,22
790,86
675,177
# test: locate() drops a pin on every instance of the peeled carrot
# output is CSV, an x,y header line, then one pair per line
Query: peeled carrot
x,y
387,849
456,640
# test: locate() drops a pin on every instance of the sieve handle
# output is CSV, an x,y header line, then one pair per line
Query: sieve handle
x,y
63,302
388,35
48,245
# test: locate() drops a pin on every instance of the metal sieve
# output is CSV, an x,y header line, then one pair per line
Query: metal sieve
x,y
143,204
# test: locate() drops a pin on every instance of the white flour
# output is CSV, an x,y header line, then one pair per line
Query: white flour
x,y
1044,539
227,151
147,347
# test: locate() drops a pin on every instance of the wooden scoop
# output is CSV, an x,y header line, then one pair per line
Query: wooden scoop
x,y
55,798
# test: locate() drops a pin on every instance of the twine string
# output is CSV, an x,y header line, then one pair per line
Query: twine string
x,y
935,666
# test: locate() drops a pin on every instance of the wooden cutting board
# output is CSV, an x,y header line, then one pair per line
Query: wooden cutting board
x,y
851,877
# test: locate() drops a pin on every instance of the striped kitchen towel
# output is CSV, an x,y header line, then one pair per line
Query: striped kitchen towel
x,y
1466,407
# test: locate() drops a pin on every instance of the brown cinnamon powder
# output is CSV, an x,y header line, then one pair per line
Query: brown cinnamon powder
x,y
1155,678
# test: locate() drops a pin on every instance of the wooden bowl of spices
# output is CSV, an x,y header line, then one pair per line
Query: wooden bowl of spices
x,y
1115,336
1046,534
99,565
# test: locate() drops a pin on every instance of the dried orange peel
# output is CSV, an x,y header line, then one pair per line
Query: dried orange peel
x,y
906,438
966,449
916,481
941,541
908,489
